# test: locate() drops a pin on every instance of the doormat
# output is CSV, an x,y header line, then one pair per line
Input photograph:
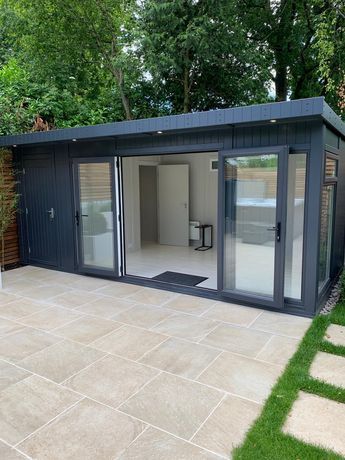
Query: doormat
x,y
179,278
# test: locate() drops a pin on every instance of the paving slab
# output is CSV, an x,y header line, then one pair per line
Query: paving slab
x,y
329,368
336,334
318,421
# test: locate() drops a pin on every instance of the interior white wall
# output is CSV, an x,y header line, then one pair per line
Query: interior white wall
x,y
203,193
131,198
203,186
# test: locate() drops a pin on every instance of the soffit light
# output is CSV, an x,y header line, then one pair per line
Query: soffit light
x,y
273,121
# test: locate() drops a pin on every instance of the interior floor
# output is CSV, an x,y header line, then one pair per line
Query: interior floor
x,y
153,259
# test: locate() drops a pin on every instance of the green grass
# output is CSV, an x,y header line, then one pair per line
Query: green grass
x,y
265,439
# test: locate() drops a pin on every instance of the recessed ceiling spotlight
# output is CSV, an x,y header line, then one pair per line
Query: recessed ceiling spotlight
x,y
159,132
74,140
14,145
273,121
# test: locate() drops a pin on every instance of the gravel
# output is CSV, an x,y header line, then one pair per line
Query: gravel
x,y
332,300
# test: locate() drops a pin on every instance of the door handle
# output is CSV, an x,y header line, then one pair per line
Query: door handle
x,y
276,229
51,213
77,218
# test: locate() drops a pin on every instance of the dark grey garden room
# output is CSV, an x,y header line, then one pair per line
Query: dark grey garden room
x,y
246,205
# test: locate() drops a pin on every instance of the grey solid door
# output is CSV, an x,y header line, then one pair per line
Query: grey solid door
x,y
173,204
40,203
253,222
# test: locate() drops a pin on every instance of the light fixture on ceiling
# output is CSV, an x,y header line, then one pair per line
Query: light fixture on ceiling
x,y
159,132
74,140
273,121
14,145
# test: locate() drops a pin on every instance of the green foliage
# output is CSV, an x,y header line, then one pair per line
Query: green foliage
x,y
199,54
96,61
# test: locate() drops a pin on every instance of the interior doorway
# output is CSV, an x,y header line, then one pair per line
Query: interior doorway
x,y
168,199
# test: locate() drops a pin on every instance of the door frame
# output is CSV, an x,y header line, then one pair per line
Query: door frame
x,y
277,302
80,267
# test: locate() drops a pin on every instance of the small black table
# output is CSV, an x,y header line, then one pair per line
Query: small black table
x,y
203,246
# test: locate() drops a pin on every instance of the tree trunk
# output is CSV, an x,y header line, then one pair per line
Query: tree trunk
x,y
186,91
280,80
118,74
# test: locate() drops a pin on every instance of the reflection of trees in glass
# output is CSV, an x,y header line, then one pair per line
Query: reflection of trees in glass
x,y
326,225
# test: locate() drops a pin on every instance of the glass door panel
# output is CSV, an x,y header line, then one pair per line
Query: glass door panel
x,y
252,226
94,215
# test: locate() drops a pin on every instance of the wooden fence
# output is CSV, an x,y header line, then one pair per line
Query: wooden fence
x,y
11,255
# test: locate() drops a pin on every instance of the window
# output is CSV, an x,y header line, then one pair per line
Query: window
x,y
331,167
295,225
327,214
326,230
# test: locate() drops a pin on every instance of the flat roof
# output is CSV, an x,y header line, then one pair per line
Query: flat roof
x,y
294,110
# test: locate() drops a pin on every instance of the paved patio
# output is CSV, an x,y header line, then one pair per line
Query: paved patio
x,y
94,369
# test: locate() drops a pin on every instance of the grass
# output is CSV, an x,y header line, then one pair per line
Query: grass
x,y
265,439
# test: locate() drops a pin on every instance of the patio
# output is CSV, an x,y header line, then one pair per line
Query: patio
x,y
95,369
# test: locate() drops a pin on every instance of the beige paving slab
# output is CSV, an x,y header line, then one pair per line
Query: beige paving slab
x,y
75,298
61,360
154,444
329,368
111,380
8,327
6,297
29,404
129,342
278,350
25,342
89,431
8,453
119,290
234,314
141,315
106,307
336,334
20,308
237,339
180,357
189,304
10,374
152,296
227,426
87,329
283,324
50,318
88,283
42,293
186,326
174,404
20,285
317,421
242,376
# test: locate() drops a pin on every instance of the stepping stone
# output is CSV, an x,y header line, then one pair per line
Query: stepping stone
x,y
329,368
317,421
336,334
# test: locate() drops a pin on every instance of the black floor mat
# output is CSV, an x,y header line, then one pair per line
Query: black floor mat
x,y
179,278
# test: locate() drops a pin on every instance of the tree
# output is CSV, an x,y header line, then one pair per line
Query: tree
x,y
197,54
71,39
284,30
329,45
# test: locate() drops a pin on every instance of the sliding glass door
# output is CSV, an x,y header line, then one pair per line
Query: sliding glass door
x,y
94,215
252,196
